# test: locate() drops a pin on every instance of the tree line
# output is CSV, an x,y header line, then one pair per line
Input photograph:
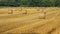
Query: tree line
x,y
31,3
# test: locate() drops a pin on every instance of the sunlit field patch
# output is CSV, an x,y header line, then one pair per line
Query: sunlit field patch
x,y
29,20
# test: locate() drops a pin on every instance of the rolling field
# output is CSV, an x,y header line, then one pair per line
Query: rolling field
x,y
21,20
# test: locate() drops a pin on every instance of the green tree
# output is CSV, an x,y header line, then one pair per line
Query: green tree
x,y
57,3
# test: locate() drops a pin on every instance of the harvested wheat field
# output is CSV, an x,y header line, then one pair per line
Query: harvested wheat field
x,y
29,20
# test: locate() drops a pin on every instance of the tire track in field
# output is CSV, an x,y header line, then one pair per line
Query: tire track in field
x,y
48,28
57,31
15,25
26,28
26,19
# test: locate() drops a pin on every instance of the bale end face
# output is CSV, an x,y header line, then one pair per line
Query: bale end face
x,y
10,12
24,12
42,16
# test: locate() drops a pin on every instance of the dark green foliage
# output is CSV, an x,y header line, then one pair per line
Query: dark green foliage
x,y
57,3
31,3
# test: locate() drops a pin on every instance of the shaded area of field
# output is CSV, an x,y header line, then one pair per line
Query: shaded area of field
x,y
30,23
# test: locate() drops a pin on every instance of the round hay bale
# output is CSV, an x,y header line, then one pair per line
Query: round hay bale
x,y
10,11
24,12
42,15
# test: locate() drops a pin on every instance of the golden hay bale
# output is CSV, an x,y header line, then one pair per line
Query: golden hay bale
x,y
42,15
10,11
24,12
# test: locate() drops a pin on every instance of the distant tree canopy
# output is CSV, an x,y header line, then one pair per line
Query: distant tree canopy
x,y
31,3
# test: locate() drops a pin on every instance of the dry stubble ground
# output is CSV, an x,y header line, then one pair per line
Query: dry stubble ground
x,y
32,22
